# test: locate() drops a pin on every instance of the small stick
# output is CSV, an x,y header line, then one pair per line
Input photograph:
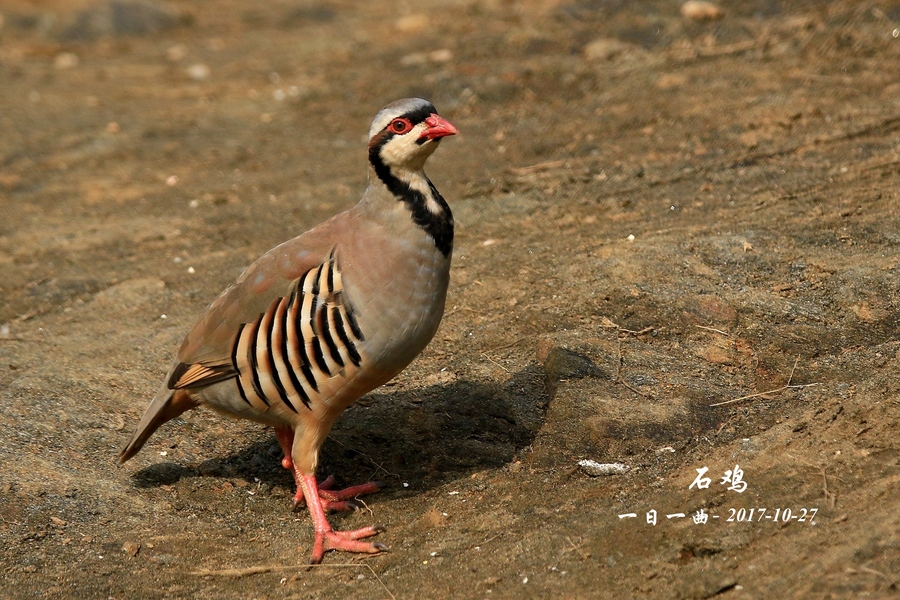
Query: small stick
x,y
787,386
725,333
495,362
573,548
636,391
239,572
266,569
791,376
490,539
365,506
504,346
775,391
619,379
553,164
635,333
829,496
378,467
872,571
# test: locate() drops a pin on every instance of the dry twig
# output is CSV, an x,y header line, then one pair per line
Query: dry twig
x,y
21,339
544,166
725,333
484,354
241,572
619,330
618,379
504,346
378,466
787,386
490,539
866,569
830,497
244,572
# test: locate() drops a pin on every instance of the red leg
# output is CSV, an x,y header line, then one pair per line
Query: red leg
x,y
285,437
329,539
332,500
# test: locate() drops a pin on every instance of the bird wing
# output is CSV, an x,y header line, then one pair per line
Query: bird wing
x,y
209,353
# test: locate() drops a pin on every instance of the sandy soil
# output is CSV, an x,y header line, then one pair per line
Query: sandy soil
x,y
677,249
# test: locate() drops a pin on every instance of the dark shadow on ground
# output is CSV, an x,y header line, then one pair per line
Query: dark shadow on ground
x,y
424,437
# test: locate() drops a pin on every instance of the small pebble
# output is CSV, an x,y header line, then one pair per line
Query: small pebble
x,y
199,72
441,56
176,52
604,49
700,10
131,548
65,60
595,469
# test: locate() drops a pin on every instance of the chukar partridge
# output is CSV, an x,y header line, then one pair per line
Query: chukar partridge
x,y
326,317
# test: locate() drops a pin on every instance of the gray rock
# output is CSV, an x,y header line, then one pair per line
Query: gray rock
x,y
123,18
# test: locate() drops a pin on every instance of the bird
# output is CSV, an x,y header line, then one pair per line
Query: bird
x,y
326,317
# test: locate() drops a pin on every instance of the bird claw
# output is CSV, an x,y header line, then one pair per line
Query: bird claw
x,y
328,505
346,541
350,492
340,506
338,500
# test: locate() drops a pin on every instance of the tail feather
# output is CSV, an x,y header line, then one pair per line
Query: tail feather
x,y
167,405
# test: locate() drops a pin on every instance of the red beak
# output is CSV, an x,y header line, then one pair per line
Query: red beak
x,y
438,127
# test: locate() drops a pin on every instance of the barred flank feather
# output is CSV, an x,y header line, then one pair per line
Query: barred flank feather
x,y
286,353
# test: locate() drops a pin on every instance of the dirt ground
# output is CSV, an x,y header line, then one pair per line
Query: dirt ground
x,y
677,249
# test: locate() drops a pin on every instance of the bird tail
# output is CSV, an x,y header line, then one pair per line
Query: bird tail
x,y
166,405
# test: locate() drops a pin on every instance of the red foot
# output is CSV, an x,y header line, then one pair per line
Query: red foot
x,y
321,498
329,539
346,541
337,500
332,500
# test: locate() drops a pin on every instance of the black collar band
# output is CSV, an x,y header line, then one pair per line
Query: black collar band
x,y
438,225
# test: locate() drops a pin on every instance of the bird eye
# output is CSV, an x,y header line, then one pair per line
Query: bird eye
x,y
400,126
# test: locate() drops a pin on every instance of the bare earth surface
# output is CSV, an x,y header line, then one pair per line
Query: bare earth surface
x,y
655,215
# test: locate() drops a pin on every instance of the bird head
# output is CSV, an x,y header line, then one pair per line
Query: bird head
x,y
405,133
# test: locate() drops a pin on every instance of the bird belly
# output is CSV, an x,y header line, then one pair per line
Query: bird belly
x,y
333,396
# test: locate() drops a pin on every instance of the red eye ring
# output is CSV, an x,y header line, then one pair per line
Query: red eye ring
x,y
400,126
